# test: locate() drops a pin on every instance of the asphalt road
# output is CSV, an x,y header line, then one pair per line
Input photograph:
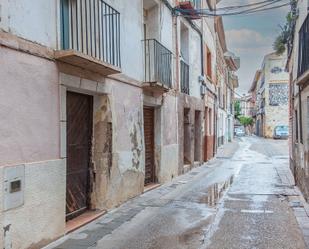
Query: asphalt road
x,y
238,200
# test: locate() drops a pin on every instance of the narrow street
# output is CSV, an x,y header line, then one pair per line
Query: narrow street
x,y
239,200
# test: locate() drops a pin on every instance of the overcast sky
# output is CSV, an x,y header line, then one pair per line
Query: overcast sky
x,y
251,37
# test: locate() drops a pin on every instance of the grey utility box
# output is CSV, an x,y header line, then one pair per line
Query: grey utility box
x,y
14,184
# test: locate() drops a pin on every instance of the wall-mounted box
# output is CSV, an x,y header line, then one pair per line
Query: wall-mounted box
x,y
14,184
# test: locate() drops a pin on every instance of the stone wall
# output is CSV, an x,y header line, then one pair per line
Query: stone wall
x,y
300,169
275,115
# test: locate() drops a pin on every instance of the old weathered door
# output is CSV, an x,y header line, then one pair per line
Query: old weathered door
x,y
206,116
149,145
79,132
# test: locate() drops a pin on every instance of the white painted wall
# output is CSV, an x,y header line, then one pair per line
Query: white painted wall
x,y
131,19
302,7
195,63
209,40
166,27
272,62
184,41
29,91
34,20
41,219
38,21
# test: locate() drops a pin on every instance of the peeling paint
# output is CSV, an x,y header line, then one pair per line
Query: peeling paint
x,y
6,229
135,148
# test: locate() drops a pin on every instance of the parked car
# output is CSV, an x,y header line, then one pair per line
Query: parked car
x,y
281,132
240,131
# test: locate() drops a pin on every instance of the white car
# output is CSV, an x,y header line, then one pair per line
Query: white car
x,y
240,132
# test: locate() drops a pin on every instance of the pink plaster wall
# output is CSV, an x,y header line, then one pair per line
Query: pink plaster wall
x,y
29,108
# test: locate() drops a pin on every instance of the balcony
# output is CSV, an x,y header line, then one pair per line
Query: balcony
x,y
158,66
90,36
184,77
190,4
234,80
252,111
189,7
303,57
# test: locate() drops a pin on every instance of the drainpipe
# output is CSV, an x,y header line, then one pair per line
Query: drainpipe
x,y
168,5
176,79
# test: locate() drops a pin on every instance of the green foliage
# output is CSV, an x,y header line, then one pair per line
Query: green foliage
x,y
287,31
279,44
237,109
246,121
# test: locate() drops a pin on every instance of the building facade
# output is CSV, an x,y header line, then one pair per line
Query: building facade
x,y
233,64
298,66
254,103
221,83
271,95
99,103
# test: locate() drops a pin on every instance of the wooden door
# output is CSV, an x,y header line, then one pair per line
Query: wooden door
x,y
79,132
206,116
149,145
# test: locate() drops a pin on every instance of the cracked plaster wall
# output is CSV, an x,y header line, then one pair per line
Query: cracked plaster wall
x,y
124,178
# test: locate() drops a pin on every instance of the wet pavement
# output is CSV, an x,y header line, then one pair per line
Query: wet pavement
x,y
240,200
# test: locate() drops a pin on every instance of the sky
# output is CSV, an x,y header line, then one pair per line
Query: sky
x,y
251,37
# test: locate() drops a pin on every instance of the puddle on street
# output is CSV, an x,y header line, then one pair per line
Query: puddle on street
x,y
216,191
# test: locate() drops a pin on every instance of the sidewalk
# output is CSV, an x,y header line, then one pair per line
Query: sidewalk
x,y
228,150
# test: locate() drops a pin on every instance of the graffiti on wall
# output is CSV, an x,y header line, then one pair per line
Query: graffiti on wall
x,y
278,94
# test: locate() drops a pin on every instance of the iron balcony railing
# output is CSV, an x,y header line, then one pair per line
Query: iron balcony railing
x,y
303,57
91,27
184,77
253,111
158,63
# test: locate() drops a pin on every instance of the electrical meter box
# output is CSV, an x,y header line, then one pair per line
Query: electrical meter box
x,y
14,184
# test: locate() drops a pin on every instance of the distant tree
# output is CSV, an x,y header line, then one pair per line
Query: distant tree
x,y
246,121
237,109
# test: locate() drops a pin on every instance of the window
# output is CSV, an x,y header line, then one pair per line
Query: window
x,y
209,122
208,63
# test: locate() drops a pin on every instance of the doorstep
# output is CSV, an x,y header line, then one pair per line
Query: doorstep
x,y
82,220
197,164
186,168
151,186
